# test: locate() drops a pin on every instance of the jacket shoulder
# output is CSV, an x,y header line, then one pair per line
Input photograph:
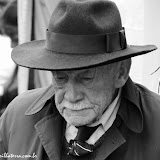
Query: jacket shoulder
x,y
24,100
14,120
150,106
148,94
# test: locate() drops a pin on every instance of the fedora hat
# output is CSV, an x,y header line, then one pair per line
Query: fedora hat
x,y
80,34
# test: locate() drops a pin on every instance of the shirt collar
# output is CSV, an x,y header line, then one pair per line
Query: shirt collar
x,y
130,110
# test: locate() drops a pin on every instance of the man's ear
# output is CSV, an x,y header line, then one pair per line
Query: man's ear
x,y
122,73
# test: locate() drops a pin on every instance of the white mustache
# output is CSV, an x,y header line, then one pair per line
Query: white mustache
x,y
76,106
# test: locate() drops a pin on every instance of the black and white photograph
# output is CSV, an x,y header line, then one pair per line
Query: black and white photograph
x,y
79,80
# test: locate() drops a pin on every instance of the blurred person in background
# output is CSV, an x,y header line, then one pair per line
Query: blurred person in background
x,y
8,69
2,4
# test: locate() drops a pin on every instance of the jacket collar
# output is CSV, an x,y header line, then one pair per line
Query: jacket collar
x,y
50,128
130,109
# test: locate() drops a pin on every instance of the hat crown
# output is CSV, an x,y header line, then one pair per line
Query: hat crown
x,y
85,17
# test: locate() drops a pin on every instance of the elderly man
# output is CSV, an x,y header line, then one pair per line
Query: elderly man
x,y
93,110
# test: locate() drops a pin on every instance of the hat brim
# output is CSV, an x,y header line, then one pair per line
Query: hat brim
x,y
34,55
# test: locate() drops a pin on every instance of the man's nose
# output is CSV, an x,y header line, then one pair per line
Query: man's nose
x,y
73,93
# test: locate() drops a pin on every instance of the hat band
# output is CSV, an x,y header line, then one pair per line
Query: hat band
x,y
99,43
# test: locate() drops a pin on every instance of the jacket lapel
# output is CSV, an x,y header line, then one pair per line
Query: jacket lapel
x,y
112,140
50,130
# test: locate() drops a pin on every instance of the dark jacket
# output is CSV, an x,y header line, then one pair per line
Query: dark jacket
x,y
135,135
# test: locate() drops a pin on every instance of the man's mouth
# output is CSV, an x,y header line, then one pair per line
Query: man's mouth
x,y
78,112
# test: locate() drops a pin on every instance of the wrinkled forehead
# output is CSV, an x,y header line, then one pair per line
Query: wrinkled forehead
x,y
76,72
89,71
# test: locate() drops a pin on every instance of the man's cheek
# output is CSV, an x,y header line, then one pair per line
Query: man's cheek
x,y
95,97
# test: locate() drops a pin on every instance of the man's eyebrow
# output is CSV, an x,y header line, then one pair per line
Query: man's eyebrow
x,y
89,71
55,73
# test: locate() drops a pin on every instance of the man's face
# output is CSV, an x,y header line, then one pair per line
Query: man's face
x,y
81,96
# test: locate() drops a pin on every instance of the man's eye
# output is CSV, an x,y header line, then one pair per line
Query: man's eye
x,y
86,80
60,78
60,81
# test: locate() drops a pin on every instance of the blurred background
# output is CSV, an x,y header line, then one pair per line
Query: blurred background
x,y
25,20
